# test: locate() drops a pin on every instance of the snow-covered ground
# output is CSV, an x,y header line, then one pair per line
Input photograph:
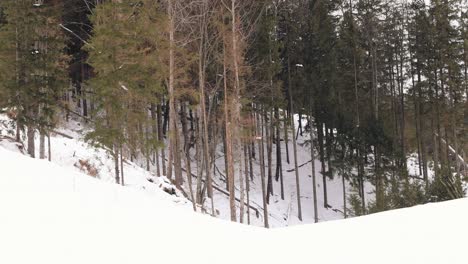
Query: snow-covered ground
x,y
52,214
285,212
75,153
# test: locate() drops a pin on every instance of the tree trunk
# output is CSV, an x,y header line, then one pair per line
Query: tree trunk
x,y
155,137
122,166
42,145
188,164
242,188
49,148
279,164
262,169
269,133
228,139
200,165
314,183
296,168
322,161
173,132
31,146
247,182
161,139
116,164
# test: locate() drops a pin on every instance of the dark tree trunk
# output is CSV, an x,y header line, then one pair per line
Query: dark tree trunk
x,y
42,145
161,138
226,171
166,118
262,170
269,135
116,163
186,149
322,161
279,165
247,181
31,146
49,147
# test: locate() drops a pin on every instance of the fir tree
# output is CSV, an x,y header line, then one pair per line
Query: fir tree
x,y
33,49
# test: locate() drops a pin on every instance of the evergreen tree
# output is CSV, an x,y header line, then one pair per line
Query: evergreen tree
x,y
33,49
128,73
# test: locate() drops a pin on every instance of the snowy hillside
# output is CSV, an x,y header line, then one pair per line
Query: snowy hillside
x,y
50,214
70,150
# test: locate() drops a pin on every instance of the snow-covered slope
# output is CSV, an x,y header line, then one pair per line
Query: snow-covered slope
x,y
50,214
73,152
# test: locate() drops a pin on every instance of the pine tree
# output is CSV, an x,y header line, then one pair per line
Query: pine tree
x,y
129,74
34,44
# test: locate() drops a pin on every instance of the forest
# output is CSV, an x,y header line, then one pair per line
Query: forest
x,y
224,89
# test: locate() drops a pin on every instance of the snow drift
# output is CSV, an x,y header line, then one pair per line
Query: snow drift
x,y
50,214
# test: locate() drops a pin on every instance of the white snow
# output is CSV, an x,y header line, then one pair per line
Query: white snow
x,y
51,214
68,153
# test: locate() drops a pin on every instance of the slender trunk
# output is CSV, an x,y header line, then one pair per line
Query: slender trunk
x,y
116,164
31,144
296,168
18,131
322,161
147,147
314,183
421,130
188,164
161,138
361,180
249,149
176,151
262,170
343,182
173,132
402,120
269,134
300,124
328,146
17,73
122,166
226,164
416,114
286,136
42,145
247,182
242,190
166,118
279,164
229,142
49,156
155,137
440,155
199,192
201,75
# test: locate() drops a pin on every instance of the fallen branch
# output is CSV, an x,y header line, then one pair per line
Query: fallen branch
x,y
66,108
458,156
257,213
302,165
61,134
